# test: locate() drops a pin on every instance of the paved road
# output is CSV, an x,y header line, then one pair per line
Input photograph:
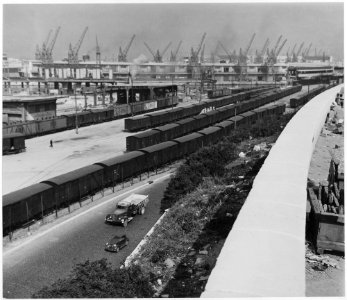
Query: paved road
x,y
51,256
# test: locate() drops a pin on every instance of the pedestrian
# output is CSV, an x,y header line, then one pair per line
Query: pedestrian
x,y
51,143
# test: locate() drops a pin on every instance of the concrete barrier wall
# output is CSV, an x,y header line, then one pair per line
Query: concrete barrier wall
x,y
264,254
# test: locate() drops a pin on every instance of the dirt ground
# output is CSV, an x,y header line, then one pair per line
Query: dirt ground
x,y
326,279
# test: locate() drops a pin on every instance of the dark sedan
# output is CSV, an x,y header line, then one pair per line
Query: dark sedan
x,y
116,243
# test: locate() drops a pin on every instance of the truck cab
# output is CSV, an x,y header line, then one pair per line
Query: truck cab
x,y
127,208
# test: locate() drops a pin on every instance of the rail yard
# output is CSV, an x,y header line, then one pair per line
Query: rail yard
x,y
93,137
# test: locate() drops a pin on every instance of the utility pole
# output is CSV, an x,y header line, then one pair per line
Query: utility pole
x,y
76,119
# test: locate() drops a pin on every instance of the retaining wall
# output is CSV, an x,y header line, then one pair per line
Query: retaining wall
x,y
264,254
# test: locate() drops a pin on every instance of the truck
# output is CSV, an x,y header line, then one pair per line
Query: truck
x,y
127,209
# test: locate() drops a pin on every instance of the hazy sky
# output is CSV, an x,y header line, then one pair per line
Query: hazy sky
x,y
26,25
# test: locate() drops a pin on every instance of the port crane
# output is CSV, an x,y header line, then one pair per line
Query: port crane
x,y
73,52
122,56
259,56
49,50
202,55
40,53
214,53
277,43
243,55
158,56
173,56
308,50
225,50
194,55
295,55
280,48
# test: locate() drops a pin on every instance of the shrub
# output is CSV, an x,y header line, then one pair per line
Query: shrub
x,y
98,280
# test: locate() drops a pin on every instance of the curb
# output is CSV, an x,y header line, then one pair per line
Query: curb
x,y
130,258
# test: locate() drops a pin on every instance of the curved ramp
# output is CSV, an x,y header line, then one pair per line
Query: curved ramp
x,y
264,254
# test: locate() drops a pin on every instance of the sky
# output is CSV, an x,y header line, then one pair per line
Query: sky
x,y
27,25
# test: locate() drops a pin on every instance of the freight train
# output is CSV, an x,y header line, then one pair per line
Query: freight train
x,y
34,202
88,117
163,117
171,131
305,97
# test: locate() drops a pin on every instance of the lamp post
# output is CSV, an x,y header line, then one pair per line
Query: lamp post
x,y
76,119
172,89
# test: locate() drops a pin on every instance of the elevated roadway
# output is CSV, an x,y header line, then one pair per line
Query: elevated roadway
x,y
264,254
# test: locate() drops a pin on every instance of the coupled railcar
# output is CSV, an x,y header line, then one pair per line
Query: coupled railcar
x,y
85,118
202,120
13,143
157,119
33,202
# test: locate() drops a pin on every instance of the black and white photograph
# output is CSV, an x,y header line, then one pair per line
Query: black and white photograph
x,y
173,149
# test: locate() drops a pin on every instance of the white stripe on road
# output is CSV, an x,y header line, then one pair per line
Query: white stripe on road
x,y
39,235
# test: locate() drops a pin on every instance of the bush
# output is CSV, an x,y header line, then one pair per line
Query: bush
x,y
98,280
211,161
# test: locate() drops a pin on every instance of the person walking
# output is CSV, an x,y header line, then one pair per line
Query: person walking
x,y
51,143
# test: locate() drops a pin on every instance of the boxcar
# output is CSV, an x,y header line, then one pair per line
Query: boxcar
x,y
160,154
142,139
159,118
124,166
187,125
137,107
73,186
250,117
121,110
102,115
137,123
13,143
211,135
212,116
24,205
52,125
261,112
189,143
201,121
226,126
169,132
191,110
237,121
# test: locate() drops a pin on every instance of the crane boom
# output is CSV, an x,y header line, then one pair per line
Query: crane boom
x,y
167,47
277,43
280,48
202,53
149,49
178,47
200,45
302,45
129,45
249,44
225,50
293,51
267,42
79,43
46,40
308,50
51,46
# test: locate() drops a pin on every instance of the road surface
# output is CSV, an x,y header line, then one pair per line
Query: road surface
x,y
50,255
